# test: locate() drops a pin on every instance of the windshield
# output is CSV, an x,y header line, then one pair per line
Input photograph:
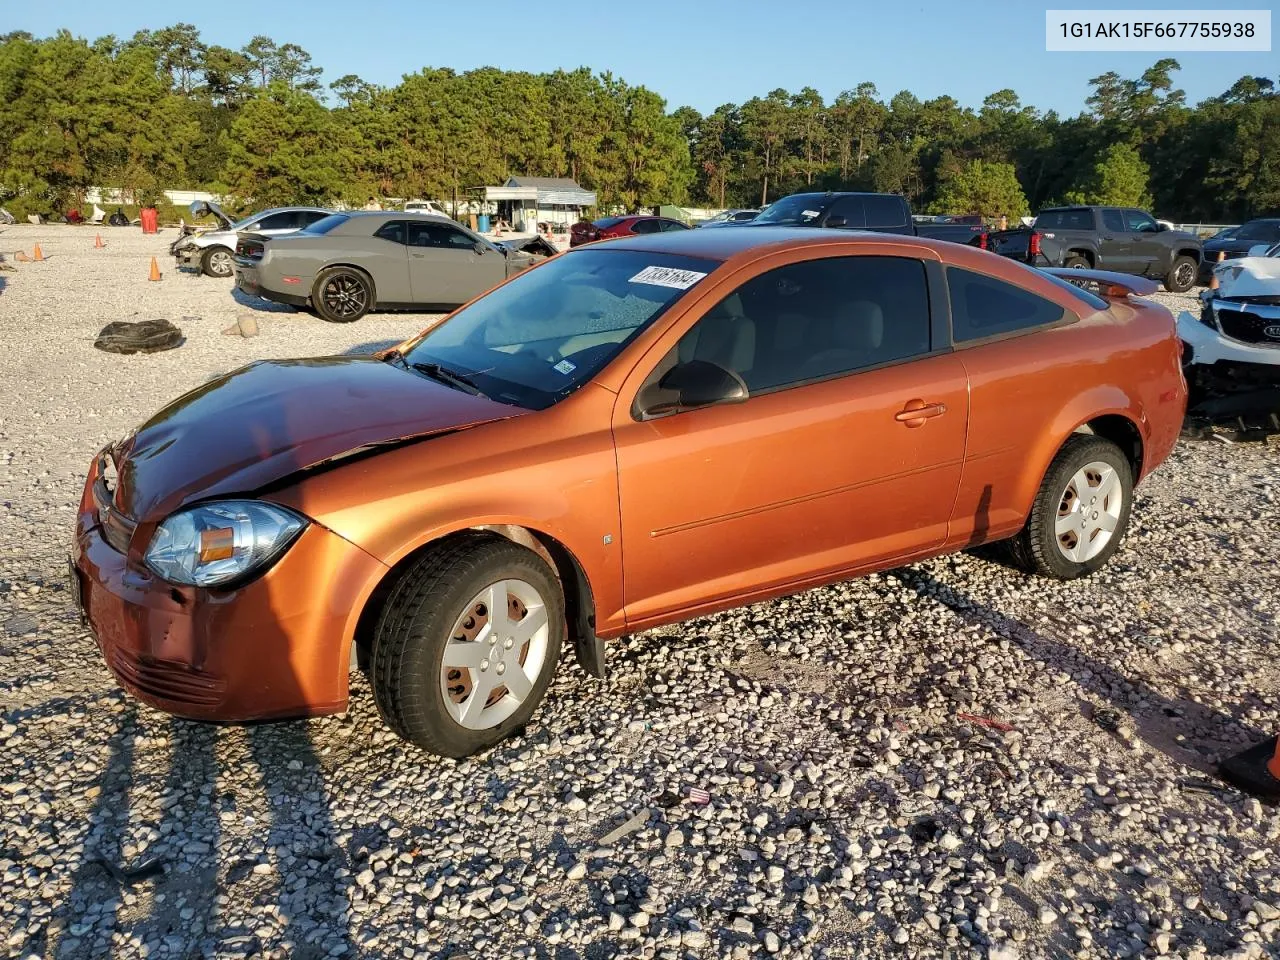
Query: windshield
x,y
245,221
536,339
802,208
1259,231
325,224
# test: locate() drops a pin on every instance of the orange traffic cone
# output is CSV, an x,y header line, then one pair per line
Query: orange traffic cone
x,y
97,242
1256,770
1213,274
155,270
21,257
38,255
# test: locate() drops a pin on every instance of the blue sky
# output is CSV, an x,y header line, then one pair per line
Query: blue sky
x,y
697,52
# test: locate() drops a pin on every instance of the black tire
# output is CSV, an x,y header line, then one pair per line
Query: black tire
x,y
414,628
342,294
217,262
1182,275
1076,262
1036,549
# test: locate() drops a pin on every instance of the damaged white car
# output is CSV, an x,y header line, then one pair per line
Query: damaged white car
x,y
1231,351
213,250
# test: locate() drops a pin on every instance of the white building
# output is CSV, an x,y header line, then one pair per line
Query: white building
x,y
523,202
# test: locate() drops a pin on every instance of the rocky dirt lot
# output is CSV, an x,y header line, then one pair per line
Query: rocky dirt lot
x,y
946,760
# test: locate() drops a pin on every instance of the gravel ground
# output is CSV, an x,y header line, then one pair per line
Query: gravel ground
x,y
861,801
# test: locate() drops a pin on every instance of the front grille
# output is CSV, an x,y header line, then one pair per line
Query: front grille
x,y
167,679
1249,327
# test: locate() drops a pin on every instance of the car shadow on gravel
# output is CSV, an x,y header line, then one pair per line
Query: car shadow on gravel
x,y
1164,727
257,303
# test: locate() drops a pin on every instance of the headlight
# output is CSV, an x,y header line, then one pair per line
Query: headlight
x,y
216,543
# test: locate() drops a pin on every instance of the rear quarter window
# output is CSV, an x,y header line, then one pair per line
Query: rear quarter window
x,y
885,211
1065,220
983,306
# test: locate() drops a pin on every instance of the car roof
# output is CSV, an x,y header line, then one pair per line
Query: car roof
x,y
725,244
263,213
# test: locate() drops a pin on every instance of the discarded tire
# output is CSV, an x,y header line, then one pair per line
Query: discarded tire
x,y
145,336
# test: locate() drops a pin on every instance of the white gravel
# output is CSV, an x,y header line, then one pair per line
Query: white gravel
x,y
852,811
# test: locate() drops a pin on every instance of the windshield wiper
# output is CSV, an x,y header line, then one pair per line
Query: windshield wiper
x,y
459,381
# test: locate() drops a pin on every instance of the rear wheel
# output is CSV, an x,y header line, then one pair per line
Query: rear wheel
x,y
217,262
466,645
342,295
1182,275
1076,262
1080,513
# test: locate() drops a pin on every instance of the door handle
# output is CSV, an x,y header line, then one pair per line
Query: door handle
x,y
916,412
1108,238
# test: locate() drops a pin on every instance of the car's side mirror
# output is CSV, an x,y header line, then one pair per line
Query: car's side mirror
x,y
1259,250
698,383
480,248
837,221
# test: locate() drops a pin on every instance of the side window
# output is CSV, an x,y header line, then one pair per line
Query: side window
x,y
1140,222
1114,220
811,320
308,217
392,230
885,211
670,225
646,226
277,221
849,208
439,235
983,306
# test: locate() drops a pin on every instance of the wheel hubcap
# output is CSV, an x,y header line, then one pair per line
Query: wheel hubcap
x,y
220,263
495,654
344,295
1089,511
1183,275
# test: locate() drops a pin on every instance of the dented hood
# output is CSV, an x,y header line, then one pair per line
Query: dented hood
x,y
261,423
1249,277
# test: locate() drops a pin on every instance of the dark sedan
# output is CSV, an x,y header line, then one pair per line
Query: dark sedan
x,y
1236,242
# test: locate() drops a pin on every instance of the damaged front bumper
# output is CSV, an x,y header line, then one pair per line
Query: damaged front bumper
x,y
1257,329
277,646
1230,378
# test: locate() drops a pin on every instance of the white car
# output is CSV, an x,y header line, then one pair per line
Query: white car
x,y
212,250
1231,351
423,206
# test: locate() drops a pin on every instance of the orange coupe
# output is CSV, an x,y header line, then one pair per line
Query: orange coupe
x,y
633,433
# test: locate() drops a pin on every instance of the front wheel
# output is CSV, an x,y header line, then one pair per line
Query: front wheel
x,y
1076,263
466,645
217,262
1182,275
1080,513
342,295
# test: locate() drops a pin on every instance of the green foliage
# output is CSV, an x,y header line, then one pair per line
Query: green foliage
x,y
1120,178
164,109
987,189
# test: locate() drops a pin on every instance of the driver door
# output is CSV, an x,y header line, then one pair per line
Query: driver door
x,y
444,267
1145,247
818,471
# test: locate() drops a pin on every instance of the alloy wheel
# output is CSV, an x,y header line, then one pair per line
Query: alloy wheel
x,y
345,295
